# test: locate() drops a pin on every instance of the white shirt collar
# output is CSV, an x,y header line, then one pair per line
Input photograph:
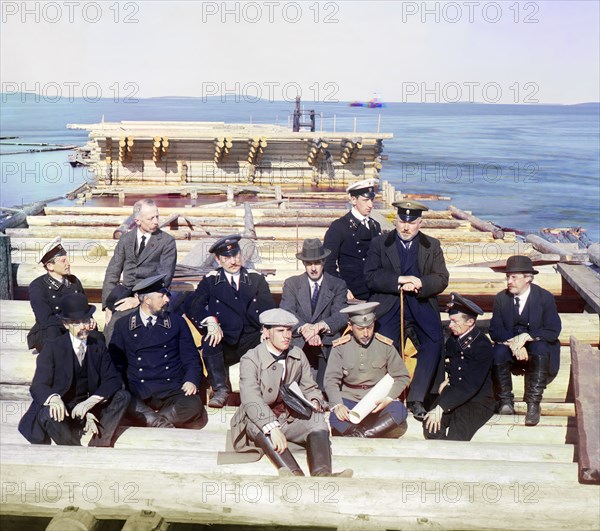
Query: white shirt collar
x,y
274,352
76,342
523,299
311,282
144,317
358,215
139,237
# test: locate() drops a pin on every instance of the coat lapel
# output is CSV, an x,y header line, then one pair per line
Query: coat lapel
x,y
392,253
304,297
151,247
325,296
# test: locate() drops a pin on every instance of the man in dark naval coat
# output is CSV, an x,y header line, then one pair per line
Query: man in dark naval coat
x,y
525,327
408,263
76,388
225,308
349,237
156,354
466,400
46,292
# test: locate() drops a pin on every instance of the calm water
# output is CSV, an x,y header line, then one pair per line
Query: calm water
x,y
521,166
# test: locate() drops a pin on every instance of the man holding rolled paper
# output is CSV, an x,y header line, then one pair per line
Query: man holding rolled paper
x,y
357,365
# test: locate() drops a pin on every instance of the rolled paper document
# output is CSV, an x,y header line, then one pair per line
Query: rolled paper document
x,y
367,403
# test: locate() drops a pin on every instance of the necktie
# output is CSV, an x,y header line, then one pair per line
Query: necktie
x,y
517,313
142,245
233,284
315,296
149,323
81,353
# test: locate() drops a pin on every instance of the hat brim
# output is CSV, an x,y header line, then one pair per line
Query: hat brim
x,y
78,316
519,270
322,256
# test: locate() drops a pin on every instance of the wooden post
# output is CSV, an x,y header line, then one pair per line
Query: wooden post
x,y
249,229
146,521
230,195
121,198
6,278
73,519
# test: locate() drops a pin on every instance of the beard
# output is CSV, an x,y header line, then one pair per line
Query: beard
x,y
162,312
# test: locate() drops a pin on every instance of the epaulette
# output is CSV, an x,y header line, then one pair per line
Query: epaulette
x,y
342,340
384,339
212,273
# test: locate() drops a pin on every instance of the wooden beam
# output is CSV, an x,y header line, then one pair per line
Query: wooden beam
x,y
584,280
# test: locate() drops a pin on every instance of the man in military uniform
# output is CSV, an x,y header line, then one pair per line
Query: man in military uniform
x,y
466,400
357,362
46,292
315,298
408,263
269,415
349,237
156,354
225,309
525,327
76,388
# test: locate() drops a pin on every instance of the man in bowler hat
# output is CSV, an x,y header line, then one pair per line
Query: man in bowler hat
x,y
525,327
408,262
225,309
315,298
76,388
466,400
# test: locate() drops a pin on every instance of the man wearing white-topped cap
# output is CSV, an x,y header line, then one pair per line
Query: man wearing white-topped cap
x,y
349,238
46,292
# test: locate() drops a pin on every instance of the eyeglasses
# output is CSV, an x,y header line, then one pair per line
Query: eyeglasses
x,y
84,322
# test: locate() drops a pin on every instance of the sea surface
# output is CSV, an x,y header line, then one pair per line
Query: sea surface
x,y
520,166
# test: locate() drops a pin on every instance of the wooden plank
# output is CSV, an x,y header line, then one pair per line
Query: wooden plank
x,y
586,382
585,281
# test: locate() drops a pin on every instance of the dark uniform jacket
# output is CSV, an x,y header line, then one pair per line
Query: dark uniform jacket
x,y
236,311
158,257
54,375
45,294
468,365
382,270
295,298
155,361
349,241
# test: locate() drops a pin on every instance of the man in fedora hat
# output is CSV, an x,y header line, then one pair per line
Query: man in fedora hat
x,y
525,327
349,237
268,417
225,309
156,354
358,361
466,400
315,298
76,388
408,263
46,292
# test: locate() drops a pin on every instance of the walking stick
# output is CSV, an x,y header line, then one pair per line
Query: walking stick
x,y
402,324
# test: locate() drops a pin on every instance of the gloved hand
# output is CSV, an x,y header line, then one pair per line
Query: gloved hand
x,y
91,424
80,410
58,411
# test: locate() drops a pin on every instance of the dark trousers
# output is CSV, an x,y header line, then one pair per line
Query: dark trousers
x,y
462,423
317,357
69,431
396,410
180,410
232,352
502,354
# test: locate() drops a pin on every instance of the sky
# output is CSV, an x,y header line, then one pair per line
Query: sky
x,y
545,51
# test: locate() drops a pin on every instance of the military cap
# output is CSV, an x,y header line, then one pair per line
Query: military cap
x,y
519,264
458,303
313,250
75,307
277,317
52,250
365,188
227,246
154,284
361,314
410,210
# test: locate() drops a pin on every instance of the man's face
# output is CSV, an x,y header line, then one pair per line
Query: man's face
x,y
460,323
156,304
59,266
363,334
408,229
314,270
362,204
517,283
147,219
79,329
231,264
280,337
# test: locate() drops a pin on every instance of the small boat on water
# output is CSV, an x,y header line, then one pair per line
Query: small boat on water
x,y
81,157
373,103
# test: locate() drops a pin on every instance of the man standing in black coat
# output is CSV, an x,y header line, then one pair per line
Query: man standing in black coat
x,y
349,237
466,400
409,263
525,327
76,387
46,293
225,309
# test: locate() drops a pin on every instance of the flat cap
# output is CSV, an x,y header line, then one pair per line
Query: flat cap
x,y
227,246
154,284
410,210
458,303
277,317
361,314
52,250
365,188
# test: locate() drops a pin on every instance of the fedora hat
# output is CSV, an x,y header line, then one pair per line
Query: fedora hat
x,y
313,250
75,307
520,264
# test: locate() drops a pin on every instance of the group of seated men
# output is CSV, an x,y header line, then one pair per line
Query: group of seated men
x,y
336,334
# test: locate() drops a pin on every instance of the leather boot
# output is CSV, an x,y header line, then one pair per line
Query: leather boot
x,y
537,377
417,409
354,431
318,453
146,415
503,388
381,427
217,375
285,462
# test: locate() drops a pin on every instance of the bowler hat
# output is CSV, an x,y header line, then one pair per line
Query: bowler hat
x,y
313,250
520,264
75,307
